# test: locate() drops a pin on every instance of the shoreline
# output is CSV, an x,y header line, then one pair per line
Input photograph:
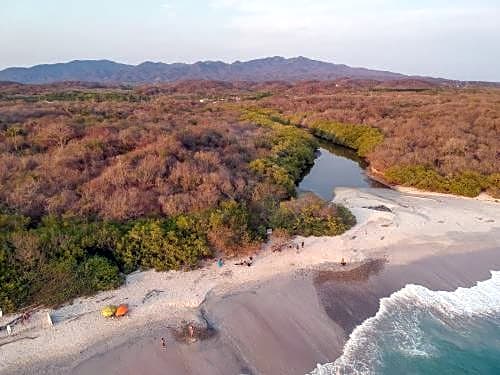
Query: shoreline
x,y
291,323
359,305
418,226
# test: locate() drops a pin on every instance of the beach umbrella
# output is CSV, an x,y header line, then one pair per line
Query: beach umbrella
x,y
121,310
108,311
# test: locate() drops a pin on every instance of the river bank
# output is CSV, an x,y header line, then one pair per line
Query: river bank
x,y
267,308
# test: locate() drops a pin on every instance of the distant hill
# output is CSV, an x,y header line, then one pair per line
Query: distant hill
x,y
266,69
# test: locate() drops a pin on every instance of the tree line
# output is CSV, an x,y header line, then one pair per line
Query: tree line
x,y
93,191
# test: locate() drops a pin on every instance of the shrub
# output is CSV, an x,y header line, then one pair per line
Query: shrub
x,y
98,273
292,150
278,175
417,176
162,244
53,283
13,287
466,183
361,138
494,185
59,281
262,117
229,229
12,222
55,261
309,215
260,95
81,96
71,238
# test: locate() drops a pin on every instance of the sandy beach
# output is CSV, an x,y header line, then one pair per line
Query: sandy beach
x,y
286,313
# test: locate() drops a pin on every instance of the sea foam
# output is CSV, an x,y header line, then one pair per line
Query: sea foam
x,y
398,324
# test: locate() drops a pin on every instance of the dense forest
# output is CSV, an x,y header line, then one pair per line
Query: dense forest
x,y
98,181
433,138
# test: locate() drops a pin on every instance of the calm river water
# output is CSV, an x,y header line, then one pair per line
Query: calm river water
x,y
335,166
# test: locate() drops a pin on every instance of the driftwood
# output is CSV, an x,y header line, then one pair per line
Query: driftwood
x,y
20,319
106,298
150,294
23,318
379,208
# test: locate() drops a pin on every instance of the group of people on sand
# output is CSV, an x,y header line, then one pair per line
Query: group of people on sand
x,y
245,262
249,262
290,245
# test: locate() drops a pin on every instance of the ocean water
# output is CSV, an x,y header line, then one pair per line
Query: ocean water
x,y
419,331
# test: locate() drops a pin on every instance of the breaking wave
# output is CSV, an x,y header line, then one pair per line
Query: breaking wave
x,y
417,330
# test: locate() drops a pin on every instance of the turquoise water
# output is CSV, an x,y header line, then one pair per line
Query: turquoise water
x,y
419,331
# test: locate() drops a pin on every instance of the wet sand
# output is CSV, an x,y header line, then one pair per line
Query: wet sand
x,y
291,323
349,299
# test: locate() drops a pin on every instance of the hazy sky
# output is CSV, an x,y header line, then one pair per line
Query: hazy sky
x,y
448,38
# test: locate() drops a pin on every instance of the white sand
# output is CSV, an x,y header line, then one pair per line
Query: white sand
x,y
416,218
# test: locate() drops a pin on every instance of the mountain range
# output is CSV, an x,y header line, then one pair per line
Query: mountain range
x,y
259,70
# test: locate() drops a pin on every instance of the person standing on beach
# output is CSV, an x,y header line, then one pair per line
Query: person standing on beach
x,y
163,343
190,331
